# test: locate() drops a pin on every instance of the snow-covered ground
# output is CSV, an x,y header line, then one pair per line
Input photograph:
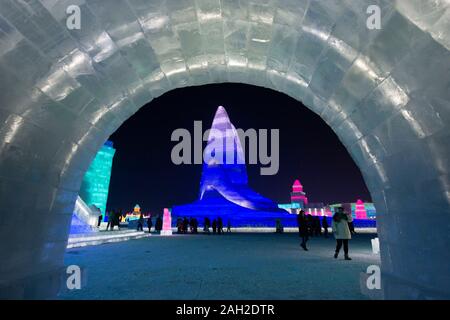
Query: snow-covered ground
x,y
231,266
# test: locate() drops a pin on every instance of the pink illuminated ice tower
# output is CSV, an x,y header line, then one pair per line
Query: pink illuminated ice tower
x,y
297,194
360,210
167,223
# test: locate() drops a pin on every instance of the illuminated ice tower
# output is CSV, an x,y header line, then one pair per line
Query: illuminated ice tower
x,y
224,189
298,196
95,186
360,210
167,223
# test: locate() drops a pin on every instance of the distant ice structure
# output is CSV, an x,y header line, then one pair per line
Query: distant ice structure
x,y
298,196
360,210
167,223
385,93
224,190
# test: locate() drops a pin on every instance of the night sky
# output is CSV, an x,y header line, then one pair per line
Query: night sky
x,y
144,174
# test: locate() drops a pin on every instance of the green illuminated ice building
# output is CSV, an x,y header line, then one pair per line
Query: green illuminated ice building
x,y
95,186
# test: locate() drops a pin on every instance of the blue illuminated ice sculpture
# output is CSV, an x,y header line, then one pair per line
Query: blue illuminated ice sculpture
x,y
224,190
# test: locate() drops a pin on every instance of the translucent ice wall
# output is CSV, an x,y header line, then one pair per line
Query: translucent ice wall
x,y
384,92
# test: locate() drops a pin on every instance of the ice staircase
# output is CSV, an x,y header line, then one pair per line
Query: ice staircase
x,y
101,237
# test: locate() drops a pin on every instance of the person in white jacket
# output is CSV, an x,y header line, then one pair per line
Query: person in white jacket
x,y
341,232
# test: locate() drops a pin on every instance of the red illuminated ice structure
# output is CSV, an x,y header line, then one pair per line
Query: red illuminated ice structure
x,y
167,223
360,210
297,195
224,190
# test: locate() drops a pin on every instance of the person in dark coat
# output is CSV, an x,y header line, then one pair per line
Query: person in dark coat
x,y
179,225
192,225
100,218
109,216
149,224
112,217
317,226
303,229
140,225
325,226
278,226
185,225
196,225
158,224
219,225
206,225
228,226
214,226
117,217
309,225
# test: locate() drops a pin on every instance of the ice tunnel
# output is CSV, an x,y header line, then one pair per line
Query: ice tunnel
x,y
385,92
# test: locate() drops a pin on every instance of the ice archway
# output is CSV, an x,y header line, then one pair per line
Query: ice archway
x,y
386,93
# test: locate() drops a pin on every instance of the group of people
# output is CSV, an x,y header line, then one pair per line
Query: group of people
x,y
341,225
114,219
308,226
314,225
158,223
185,224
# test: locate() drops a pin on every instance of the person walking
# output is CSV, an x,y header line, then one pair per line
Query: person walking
x,y
158,224
140,225
179,225
195,226
219,225
214,226
117,218
303,229
228,226
206,224
341,232
109,216
278,226
100,218
309,225
325,226
185,225
149,223
317,226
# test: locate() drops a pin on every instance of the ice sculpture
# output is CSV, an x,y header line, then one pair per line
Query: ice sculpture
x,y
384,92
224,190
167,223
84,219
